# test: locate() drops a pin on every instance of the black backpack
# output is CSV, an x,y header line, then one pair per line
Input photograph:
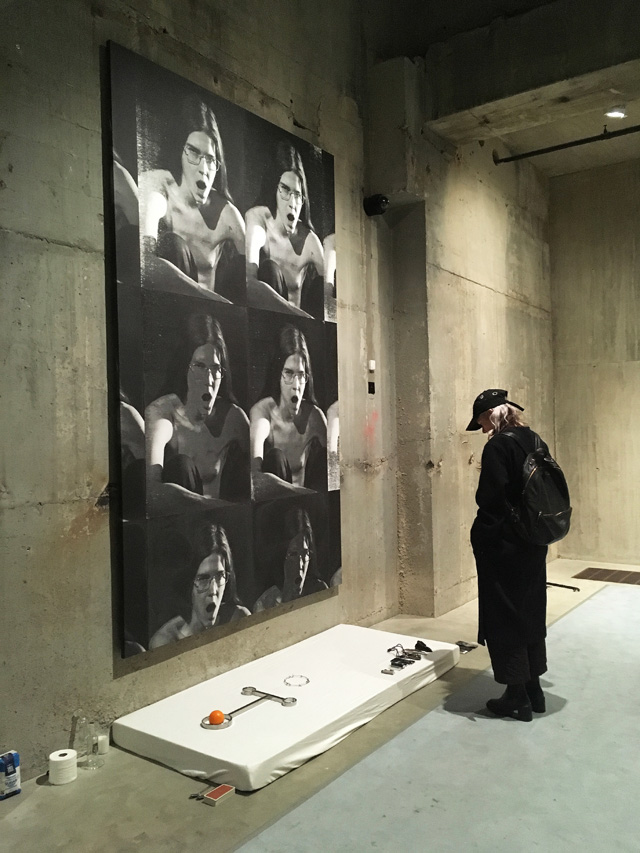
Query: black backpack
x,y
543,513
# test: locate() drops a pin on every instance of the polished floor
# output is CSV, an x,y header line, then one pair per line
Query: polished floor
x,y
133,804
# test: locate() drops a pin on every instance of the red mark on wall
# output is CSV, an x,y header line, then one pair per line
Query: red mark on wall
x,y
370,427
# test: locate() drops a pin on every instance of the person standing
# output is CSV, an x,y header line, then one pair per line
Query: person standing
x,y
512,591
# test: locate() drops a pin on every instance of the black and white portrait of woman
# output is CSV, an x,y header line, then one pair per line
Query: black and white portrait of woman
x,y
300,565
283,248
288,428
197,437
207,593
192,234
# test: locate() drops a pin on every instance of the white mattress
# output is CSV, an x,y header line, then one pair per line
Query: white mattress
x,y
346,689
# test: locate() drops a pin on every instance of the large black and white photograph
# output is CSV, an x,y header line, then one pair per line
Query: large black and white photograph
x,y
225,282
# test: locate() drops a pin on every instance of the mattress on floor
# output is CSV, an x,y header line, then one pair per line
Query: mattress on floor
x,y
346,689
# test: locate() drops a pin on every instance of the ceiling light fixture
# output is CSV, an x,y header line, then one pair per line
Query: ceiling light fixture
x,y
616,112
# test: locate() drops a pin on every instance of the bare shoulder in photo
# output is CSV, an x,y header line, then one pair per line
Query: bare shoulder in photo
x,y
197,437
288,428
192,234
284,255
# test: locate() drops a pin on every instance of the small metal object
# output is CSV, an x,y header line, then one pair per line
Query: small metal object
x,y
564,586
296,680
251,691
225,725
413,654
404,661
465,647
388,671
247,691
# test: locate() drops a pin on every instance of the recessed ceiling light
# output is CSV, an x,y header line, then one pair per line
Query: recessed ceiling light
x,y
616,112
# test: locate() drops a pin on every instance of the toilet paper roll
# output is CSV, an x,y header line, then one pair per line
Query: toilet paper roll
x,y
63,766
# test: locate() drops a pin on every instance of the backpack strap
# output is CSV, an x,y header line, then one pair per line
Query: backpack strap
x,y
536,438
512,511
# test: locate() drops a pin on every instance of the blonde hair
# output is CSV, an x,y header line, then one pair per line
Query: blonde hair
x,y
503,417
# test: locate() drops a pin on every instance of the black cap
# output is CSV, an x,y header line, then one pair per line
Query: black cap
x,y
489,399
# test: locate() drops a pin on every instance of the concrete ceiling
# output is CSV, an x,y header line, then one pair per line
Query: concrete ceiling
x,y
553,115
410,27
569,110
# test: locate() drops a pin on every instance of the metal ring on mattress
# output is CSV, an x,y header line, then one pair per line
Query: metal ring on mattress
x,y
207,725
296,680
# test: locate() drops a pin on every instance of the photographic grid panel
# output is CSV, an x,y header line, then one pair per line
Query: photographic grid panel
x,y
291,546
192,175
200,573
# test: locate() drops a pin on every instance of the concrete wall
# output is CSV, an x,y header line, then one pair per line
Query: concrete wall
x,y
302,71
595,263
488,295
476,314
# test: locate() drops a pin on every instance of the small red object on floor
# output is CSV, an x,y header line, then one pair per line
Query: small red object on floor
x,y
215,795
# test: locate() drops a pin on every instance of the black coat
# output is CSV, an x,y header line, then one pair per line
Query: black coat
x,y
512,591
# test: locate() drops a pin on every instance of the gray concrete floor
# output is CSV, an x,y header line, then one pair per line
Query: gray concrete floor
x,y
134,804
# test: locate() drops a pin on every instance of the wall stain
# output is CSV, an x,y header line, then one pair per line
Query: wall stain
x,y
105,496
87,522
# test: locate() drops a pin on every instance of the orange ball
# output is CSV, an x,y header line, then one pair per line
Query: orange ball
x,y
216,717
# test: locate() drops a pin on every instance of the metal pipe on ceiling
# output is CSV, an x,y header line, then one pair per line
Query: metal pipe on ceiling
x,y
606,134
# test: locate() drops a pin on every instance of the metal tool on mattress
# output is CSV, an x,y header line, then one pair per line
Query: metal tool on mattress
x,y
405,657
210,722
420,651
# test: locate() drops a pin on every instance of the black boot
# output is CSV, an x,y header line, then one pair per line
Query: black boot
x,y
514,702
536,696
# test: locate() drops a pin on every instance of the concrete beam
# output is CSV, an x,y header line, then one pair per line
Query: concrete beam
x,y
395,115
551,44
559,101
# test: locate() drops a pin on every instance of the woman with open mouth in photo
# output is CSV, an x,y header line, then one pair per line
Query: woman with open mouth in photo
x,y
197,436
288,429
193,235
300,572
283,250
210,597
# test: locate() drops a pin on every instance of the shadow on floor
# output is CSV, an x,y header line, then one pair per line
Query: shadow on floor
x,y
470,701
